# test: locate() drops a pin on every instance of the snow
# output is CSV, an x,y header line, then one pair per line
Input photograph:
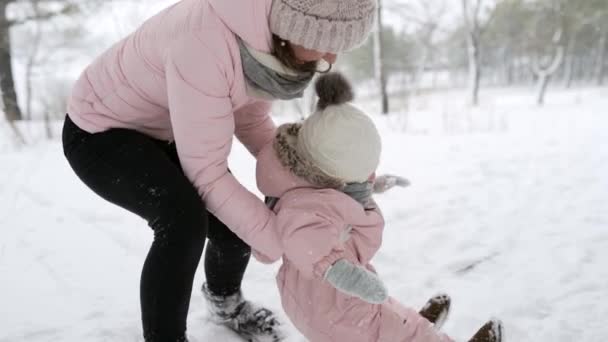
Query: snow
x,y
508,215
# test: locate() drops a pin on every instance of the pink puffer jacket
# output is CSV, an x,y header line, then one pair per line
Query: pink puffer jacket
x,y
179,77
316,227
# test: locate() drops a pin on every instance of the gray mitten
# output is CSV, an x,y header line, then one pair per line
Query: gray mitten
x,y
356,281
386,182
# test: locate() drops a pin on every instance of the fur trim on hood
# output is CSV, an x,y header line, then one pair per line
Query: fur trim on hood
x,y
285,144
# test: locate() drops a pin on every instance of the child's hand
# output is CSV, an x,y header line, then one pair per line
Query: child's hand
x,y
386,182
356,281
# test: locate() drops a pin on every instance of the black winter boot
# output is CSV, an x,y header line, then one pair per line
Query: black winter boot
x,y
253,323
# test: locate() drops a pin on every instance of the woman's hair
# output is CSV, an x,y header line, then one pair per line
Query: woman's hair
x,y
283,51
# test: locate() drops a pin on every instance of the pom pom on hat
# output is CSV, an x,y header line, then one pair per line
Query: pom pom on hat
x,y
333,89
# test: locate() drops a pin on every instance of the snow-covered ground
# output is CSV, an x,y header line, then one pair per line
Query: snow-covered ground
x,y
508,213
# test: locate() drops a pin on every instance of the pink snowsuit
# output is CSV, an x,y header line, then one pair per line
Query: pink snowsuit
x,y
315,228
179,77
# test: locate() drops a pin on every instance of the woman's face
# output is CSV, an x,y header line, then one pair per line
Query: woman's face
x,y
306,55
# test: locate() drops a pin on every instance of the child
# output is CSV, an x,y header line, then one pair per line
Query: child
x,y
329,228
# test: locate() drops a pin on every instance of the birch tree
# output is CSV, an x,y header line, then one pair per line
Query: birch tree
x,y
549,31
475,25
379,69
544,67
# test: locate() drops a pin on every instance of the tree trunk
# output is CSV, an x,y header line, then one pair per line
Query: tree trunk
x,y
474,67
569,63
47,125
30,66
7,84
379,70
545,72
419,69
600,66
19,138
577,69
507,62
543,83
473,32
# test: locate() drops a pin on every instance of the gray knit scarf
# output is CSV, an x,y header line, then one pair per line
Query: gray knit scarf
x,y
280,86
360,192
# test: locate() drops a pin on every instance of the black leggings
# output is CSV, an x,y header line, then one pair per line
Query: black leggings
x,y
143,175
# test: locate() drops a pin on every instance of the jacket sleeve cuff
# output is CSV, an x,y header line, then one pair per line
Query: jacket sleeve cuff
x,y
320,268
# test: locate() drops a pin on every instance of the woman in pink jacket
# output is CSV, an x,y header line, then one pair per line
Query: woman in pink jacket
x,y
150,126
328,228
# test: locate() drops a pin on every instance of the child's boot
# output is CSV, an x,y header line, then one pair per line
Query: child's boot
x,y
489,332
437,309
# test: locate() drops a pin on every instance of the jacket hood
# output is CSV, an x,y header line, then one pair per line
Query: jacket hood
x,y
273,179
248,19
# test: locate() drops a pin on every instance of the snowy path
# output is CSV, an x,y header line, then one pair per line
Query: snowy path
x,y
512,224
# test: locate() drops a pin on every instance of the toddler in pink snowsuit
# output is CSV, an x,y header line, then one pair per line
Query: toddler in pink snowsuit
x,y
319,176
320,226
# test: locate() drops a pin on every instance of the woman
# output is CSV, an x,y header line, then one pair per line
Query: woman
x,y
150,126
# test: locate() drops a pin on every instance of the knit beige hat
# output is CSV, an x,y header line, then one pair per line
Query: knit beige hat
x,y
338,144
323,25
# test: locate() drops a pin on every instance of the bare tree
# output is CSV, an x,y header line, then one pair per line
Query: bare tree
x,y
379,69
426,17
544,68
551,21
429,25
7,84
577,18
600,66
471,10
32,61
569,60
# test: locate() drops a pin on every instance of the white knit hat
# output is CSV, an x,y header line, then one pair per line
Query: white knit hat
x,y
323,25
337,144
